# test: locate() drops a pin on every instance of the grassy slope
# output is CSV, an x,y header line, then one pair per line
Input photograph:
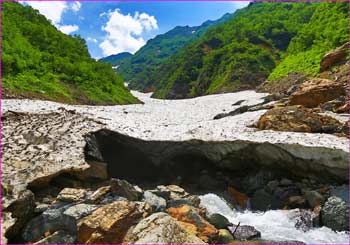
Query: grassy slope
x,y
238,54
41,62
327,29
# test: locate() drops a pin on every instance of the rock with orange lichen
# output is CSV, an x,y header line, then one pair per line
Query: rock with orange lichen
x,y
110,223
191,219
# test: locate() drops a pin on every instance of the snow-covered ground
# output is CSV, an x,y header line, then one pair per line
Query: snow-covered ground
x,y
185,119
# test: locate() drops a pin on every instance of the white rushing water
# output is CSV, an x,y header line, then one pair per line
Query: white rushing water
x,y
274,225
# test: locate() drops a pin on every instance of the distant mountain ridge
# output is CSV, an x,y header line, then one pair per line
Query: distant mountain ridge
x,y
139,70
265,40
116,59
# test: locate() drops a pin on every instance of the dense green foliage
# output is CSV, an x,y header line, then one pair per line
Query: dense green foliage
x,y
40,61
139,70
238,54
327,29
116,59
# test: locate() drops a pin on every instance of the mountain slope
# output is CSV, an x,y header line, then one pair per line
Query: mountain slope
x,y
116,59
41,62
238,54
327,29
141,68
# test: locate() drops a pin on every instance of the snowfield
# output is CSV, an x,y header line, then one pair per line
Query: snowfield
x,y
179,120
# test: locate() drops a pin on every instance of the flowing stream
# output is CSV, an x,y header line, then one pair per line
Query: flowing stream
x,y
276,225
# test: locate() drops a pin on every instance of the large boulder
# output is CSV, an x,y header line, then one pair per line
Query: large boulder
x,y
160,228
334,56
298,119
316,91
191,219
110,223
335,214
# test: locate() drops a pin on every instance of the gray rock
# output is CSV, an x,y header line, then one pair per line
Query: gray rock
x,y
335,214
238,102
125,189
314,198
303,219
80,210
244,232
157,203
261,200
219,221
111,198
235,112
160,228
50,221
58,237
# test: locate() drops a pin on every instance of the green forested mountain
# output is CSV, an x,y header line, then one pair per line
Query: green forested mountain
x,y
41,62
116,59
261,40
140,69
327,29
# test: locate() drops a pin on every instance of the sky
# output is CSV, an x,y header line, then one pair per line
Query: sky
x,y
123,26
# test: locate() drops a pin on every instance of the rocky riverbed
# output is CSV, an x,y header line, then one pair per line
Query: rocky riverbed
x,y
58,161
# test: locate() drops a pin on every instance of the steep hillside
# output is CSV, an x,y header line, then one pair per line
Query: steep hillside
x,y
238,54
116,59
41,62
327,29
141,69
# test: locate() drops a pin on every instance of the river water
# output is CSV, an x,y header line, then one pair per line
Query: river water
x,y
276,225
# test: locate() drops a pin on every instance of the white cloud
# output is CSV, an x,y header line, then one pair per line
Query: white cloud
x,y
68,29
75,6
53,10
90,39
240,4
124,32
